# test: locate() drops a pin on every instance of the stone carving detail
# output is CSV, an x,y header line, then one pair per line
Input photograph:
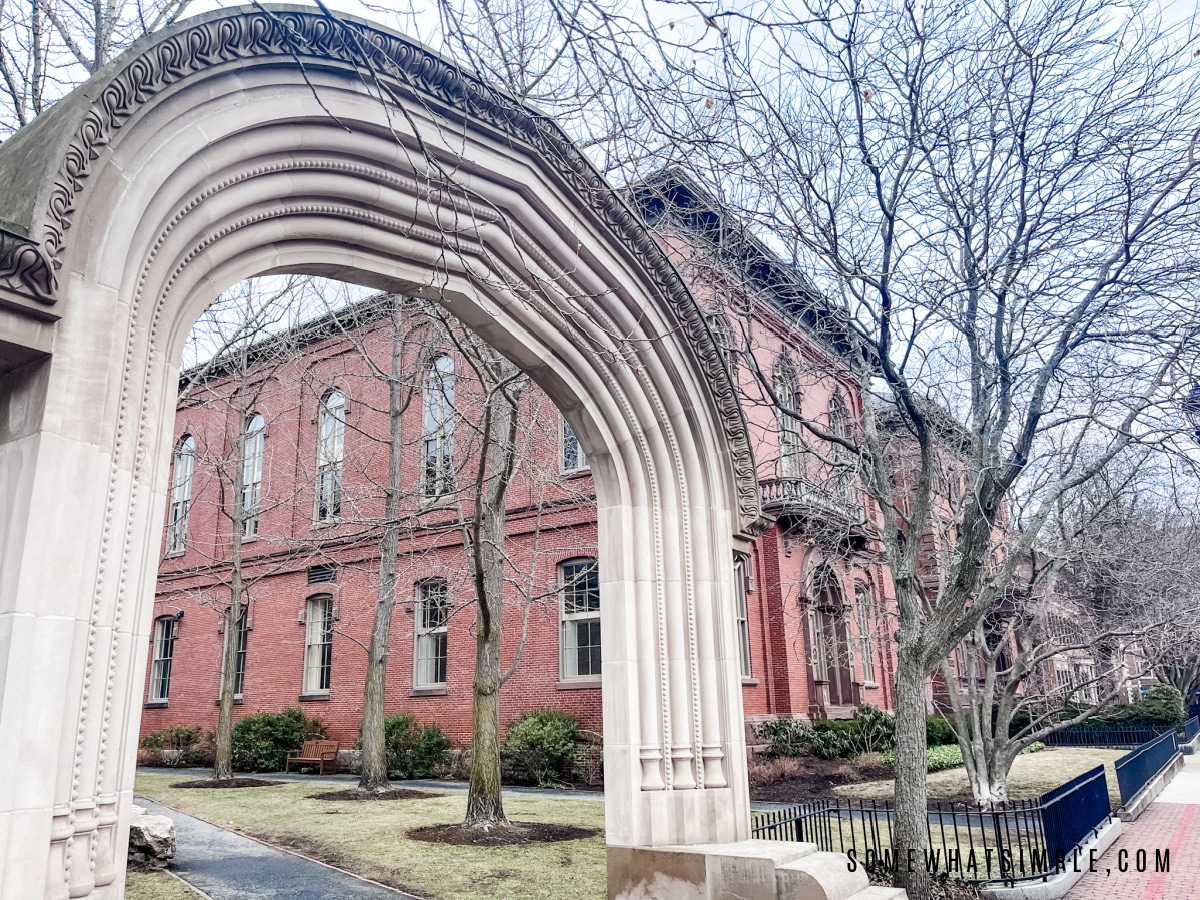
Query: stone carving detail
x,y
24,269
294,35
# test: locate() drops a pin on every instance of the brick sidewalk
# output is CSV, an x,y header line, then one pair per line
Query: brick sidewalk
x,y
1165,827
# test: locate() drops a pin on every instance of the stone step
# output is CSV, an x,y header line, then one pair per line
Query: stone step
x,y
819,876
880,892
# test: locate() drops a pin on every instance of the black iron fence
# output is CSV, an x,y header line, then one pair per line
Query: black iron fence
x,y
1016,841
1138,767
1105,735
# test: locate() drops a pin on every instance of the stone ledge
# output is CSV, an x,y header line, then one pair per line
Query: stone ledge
x,y
1151,789
748,870
1056,886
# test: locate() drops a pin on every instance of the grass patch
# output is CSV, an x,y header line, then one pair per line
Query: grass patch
x,y
149,884
369,839
1031,776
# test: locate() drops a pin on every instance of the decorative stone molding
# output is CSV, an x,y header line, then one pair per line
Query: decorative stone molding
x,y
286,32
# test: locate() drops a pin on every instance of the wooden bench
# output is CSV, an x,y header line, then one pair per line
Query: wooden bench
x,y
314,753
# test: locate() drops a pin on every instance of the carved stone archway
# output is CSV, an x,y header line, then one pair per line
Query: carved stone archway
x,y
256,141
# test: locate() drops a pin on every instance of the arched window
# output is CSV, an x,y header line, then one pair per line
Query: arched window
x,y
164,652
580,619
787,389
181,494
573,459
439,428
864,605
433,620
252,467
331,437
740,610
839,426
318,644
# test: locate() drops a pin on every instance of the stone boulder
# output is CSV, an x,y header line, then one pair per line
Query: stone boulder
x,y
151,840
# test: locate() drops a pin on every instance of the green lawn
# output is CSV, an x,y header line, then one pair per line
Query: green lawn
x,y
369,839
1031,776
146,884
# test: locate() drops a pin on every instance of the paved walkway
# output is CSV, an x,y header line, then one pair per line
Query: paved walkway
x,y
227,866
1171,825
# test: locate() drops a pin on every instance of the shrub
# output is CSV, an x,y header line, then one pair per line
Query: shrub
x,y
948,756
787,737
1161,705
938,731
832,743
261,743
178,745
177,737
876,729
414,751
540,746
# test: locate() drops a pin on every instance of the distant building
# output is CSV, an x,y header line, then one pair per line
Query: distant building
x,y
814,608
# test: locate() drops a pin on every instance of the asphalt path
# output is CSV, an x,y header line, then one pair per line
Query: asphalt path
x,y
228,866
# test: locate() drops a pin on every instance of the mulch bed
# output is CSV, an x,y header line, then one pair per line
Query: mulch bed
x,y
356,794
226,783
816,780
515,834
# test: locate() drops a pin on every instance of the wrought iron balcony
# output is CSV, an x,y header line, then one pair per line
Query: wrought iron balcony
x,y
802,498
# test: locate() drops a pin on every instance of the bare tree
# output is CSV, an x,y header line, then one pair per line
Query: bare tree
x,y
992,205
49,46
235,390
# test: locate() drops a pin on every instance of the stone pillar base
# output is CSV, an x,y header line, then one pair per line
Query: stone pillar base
x,y
747,870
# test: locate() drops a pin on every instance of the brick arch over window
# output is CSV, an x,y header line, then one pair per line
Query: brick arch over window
x,y
243,143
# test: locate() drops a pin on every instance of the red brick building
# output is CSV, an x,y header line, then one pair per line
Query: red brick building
x,y
816,617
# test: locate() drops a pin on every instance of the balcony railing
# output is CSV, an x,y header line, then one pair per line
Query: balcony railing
x,y
802,497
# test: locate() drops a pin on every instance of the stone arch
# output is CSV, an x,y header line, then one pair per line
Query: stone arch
x,y
248,142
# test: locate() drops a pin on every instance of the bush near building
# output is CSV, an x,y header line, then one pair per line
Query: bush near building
x,y
414,751
261,743
541,747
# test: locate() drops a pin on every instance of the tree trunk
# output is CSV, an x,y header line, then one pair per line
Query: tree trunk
x,y
910,826
485,806
223,758
374,773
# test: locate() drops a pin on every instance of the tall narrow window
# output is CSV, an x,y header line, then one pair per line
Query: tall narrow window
x,y
580,643
787,390
743,618
722,336
865,608
252,466
839,426
239,634
164,652
330,444
433,619
439,428
181,494
318,644
573,458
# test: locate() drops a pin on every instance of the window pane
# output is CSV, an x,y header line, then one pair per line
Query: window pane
x,y
164,651
318,650
433,615
573,457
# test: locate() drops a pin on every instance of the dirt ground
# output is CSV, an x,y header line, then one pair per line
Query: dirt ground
x,y
806,778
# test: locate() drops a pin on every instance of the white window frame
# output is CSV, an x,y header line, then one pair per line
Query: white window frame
x,y
567,436
318,644
437,451
742,613
331,444
431,656
165,633
181,494
569,621
252,469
